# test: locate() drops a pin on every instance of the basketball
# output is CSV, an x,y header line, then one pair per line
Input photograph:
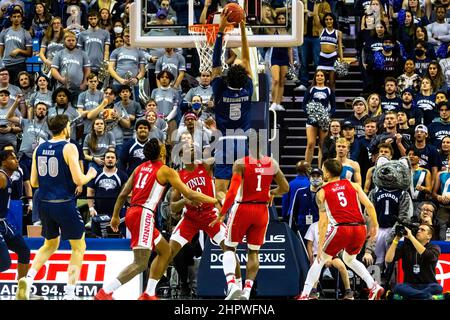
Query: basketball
x,y
237,13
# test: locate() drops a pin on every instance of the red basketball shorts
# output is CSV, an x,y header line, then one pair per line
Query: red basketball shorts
x,y
141,223
349,238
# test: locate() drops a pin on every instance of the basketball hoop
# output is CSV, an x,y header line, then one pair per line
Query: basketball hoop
x,y
205,36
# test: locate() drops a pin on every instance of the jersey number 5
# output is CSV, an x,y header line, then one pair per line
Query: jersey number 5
x,y
342,199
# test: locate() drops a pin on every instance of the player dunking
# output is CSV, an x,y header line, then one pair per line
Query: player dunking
x,y
56,172
196,217
232,100
249,216
147,184
339,204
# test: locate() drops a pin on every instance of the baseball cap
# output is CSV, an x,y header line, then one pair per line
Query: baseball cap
x,y
4,90
190,115
316,171
359,99
348,125
422,128
161,14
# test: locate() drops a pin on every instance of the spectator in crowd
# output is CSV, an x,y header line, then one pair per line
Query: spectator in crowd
x,y
445,66
421,15
403,126
439,31
441,190
419,274
95,42
204,90
52,42
198,131
15,46
89,100
195,106
160,123
294,207
390,101
379,12
405,32
383,150
106,187
61,105
74,12
173,62
444,152
112,7
127,65
26,85
35,130
426,101
329,143
426,214
399,143
414,114
350,168
41,21
349,133
132,107
155,132
409,79
374,106
428,154
359,115
434,73
96,143
105,20
6,84
422,36
421,58
116,117
365,156
421,185
318,92
8,129
314,13
70,67
42,93
440,127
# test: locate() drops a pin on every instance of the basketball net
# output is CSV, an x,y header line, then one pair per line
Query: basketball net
x,y
205,37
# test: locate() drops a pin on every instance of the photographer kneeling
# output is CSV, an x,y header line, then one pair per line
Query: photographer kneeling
x,y
419,259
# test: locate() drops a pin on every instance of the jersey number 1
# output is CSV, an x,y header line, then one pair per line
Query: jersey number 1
x,y
258,186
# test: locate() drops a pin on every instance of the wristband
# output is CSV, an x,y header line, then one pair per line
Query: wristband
x,y
395,241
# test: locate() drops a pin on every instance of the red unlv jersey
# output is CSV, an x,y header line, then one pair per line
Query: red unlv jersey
x,y
199,180
147,191
342,203
258,175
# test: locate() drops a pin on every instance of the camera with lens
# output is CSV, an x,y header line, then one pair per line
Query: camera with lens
x,y
402,223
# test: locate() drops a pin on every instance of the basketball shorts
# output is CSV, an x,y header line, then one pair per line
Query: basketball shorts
x,y
348,238
64,216
227,151
141,223
249,220
192,222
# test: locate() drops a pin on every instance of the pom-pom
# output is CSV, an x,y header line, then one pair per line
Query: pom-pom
x,y
318,114
341,68
378,61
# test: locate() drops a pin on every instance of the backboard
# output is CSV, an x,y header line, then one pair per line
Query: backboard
x,y
147,31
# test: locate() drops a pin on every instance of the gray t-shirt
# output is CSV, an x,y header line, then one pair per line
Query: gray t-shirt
x,y
14,39
114,126
127,59
71,64
175,63
33,131
93,43
7,137
103,143
42,97
89,101
72,113
206,94
165,99
52,47
158,134
133,108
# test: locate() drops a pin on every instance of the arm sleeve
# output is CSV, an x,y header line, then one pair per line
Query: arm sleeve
x,y
231,194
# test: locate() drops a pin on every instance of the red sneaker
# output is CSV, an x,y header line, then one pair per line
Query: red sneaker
x,y
304,297
146,296
102,295
376,292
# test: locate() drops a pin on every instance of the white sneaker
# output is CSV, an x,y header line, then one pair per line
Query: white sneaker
x,y
233,292
23,290
280,108
300,88
245,295
273,107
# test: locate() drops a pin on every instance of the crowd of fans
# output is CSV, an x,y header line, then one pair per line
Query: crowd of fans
x,y
91,73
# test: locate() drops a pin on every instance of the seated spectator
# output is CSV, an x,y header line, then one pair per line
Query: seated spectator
x,y
409,79
160,123
426,101
421,180
434,72
7,85
419,274
444,152
204,90
390,101
96,143
426,214
390,136
440,127
359,115
155,132
414,114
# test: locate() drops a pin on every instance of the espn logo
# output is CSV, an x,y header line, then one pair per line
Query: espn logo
x,y
55,269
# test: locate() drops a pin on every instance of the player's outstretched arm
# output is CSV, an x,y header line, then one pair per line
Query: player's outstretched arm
x,y
370,210
217,53
71,157
245,49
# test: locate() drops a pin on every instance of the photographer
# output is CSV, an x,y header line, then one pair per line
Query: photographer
x,y
419,259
